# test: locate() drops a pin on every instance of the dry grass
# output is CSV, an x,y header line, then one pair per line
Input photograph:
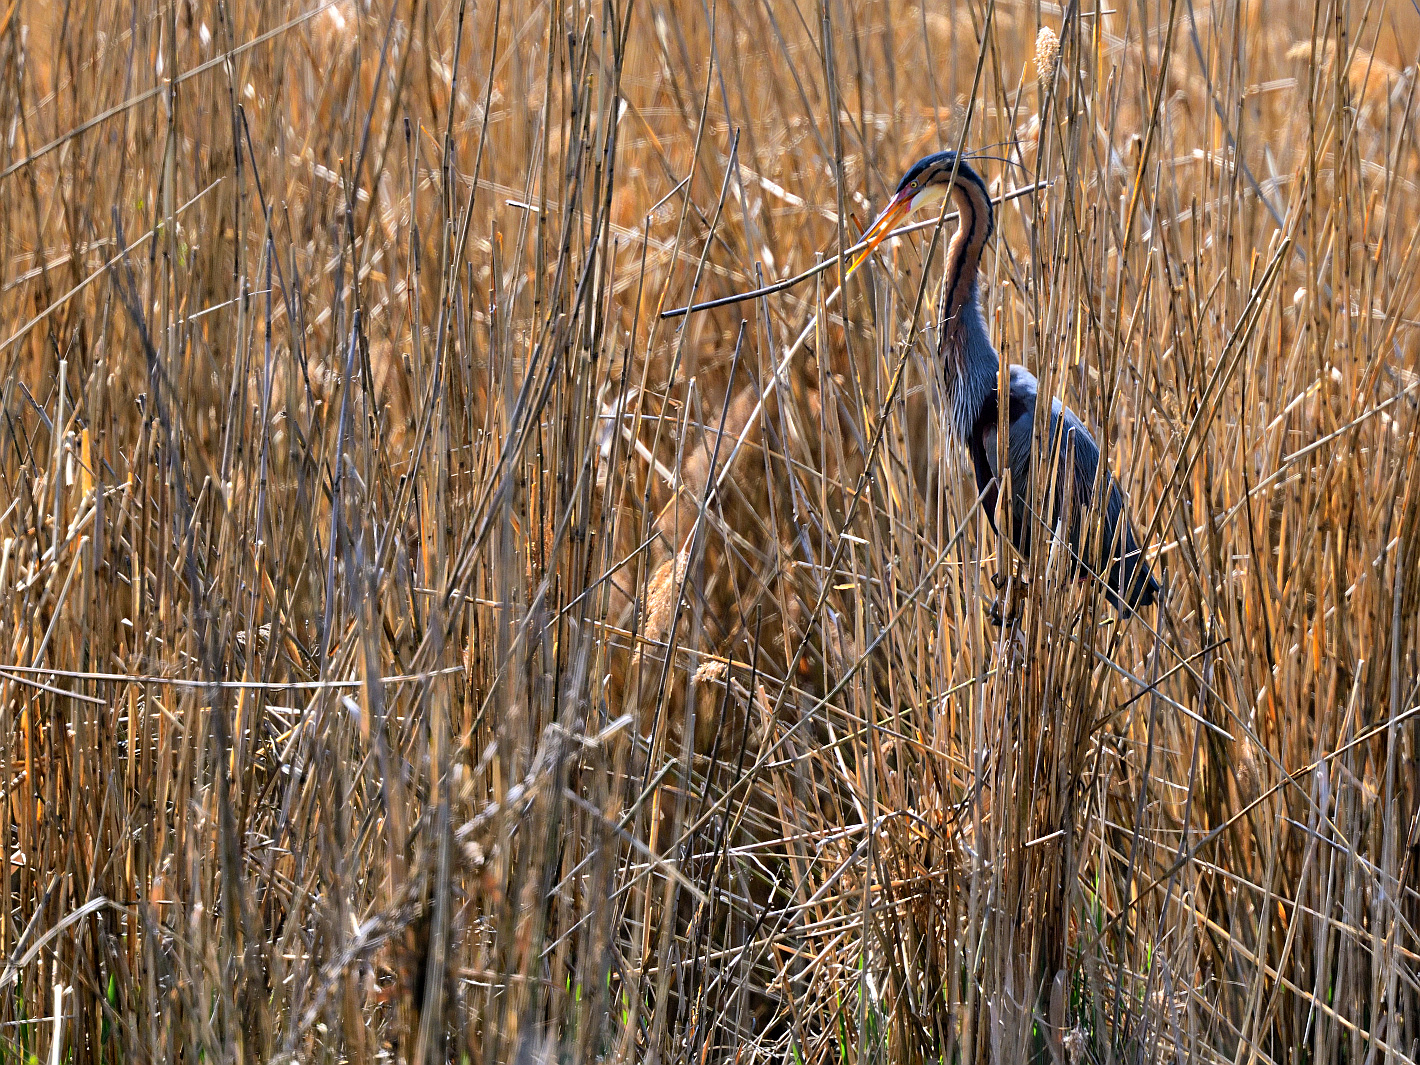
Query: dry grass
x,y
415,649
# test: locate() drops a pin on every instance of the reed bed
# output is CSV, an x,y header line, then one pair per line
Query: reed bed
x,y
417,649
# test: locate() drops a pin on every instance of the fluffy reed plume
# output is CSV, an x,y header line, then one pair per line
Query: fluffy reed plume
x,y
1374,81
712,672
1248,771
663,594
1047,50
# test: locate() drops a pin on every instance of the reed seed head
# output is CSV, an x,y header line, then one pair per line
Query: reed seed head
x,y
1249,774
712,671
663,592
1047,49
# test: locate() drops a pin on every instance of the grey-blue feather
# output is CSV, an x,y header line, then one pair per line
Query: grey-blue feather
x,y
1111,549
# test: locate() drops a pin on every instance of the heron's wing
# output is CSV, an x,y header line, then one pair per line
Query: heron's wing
x,y
1116,554
1021,422
1024,391
1078,457
982,446
1074,467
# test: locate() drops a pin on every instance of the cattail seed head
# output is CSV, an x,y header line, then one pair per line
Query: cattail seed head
x,y
1047,48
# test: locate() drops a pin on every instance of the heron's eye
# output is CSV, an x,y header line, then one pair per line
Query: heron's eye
x,y
913,185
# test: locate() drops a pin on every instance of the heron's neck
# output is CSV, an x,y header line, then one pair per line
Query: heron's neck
x,y
964,252
969,361
969,366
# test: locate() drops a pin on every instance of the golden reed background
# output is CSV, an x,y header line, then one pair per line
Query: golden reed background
x,y
415,649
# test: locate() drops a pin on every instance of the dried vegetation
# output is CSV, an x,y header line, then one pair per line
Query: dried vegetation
x,y
416,649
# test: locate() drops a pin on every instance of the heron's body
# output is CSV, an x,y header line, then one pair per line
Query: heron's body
x,y
971,372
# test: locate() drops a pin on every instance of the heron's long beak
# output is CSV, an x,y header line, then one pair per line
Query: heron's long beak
x,y
895,212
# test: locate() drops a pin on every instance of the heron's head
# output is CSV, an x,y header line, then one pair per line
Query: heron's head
x,y
926,184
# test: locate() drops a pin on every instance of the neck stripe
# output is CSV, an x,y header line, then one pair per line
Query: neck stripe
x,y
964,252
